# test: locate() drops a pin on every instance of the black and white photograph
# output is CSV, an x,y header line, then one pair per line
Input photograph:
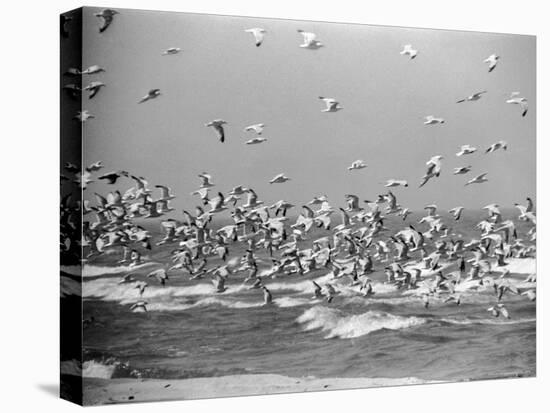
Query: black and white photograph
x,y
262,206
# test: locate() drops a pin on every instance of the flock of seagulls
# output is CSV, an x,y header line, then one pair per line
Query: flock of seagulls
x,y
349,242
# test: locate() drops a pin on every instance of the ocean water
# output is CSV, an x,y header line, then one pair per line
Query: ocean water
x,y
192,331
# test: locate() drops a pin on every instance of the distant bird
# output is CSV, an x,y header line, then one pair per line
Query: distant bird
x,y
107,15
218,127
268,298
279,179
152,94
171,51
390,183
472,98
92,70
478,179
256,140
206,180
84,115
492,62
112,177
310,41
358,164
432,120
93,88
258,128
516,99
453,298
332,104
462,170
456,212
466,150
258,33
496,146
409,51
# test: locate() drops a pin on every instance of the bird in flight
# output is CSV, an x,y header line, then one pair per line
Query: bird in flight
x,y
492,62
332,104
472,98
107,16
152,94
218,127
409,51
258,33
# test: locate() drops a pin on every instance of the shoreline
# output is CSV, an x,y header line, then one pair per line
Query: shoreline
x,y
109,391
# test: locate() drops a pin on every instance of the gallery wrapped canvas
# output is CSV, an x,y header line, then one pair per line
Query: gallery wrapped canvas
x,y
257,206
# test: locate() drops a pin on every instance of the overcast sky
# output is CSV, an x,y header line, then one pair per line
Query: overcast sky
x,y
221,74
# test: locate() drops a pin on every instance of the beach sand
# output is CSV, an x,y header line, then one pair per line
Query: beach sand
x,y
107,391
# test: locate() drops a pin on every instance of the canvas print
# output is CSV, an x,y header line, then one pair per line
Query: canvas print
x,y
257,206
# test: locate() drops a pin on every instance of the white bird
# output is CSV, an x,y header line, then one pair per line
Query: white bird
x,y
256,140
472,98
107,15
93,88
496,146
206,180
462,170
318,200
432,120
498,310
279,179
152,94
478,179
310,40
456,212
140,305
332,104
84,115
515,99
358,164
258,33
171,51
160,275
530,294
492,61
409,51
92,70
434,169
217,124
396,182
257,127
466,150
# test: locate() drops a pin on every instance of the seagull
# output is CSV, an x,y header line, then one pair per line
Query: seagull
x,y
140,305
515,99
396,182
462,170
318,200
112,177
160,275
477,180
358,164
472,98
256,140
279,179
84,115
408,51
268,298
152,94
434,169
206,180
332,105
107,15
492,61
257,127
432,120
217,124
496,146
258,33
466,150
93,88
498,310
530,294
456,212
92,70
310,40
171,51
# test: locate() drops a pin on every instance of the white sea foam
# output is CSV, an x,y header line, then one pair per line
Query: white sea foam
x,y
98,370
349,326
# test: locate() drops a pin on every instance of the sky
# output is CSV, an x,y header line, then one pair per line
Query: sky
x,y
220,74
